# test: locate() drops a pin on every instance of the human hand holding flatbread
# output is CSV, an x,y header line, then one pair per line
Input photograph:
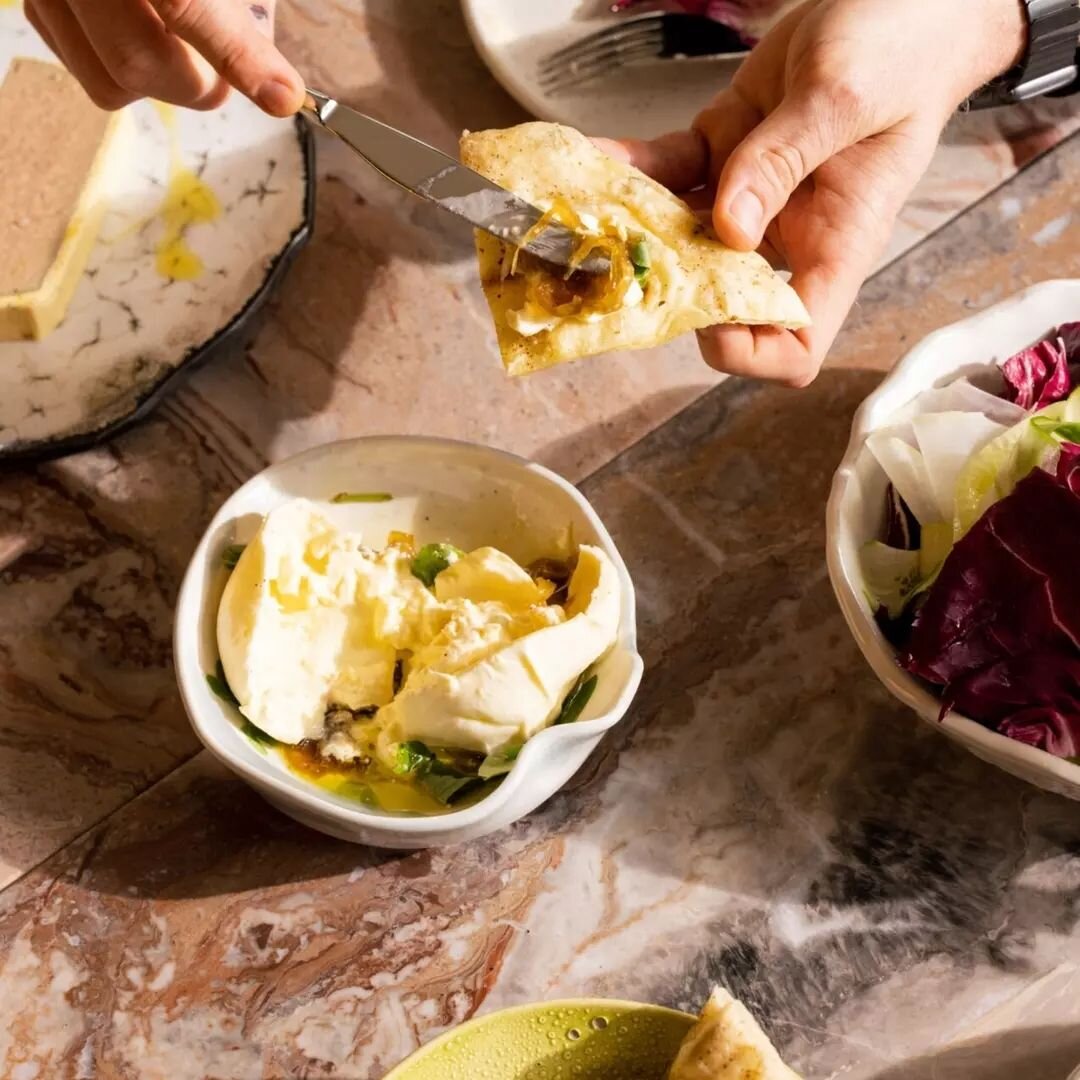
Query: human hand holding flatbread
x,y
669,273
812,150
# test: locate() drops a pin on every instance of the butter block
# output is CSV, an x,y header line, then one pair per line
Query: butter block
x,y
57,153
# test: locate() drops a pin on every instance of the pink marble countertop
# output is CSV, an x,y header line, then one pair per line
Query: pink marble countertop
x,y
766,817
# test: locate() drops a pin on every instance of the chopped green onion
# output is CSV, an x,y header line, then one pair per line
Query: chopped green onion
x,y
357,792
220,685
412,756
575,702
231,555
257,735
432,559
639,256
499,763
446,788
362,497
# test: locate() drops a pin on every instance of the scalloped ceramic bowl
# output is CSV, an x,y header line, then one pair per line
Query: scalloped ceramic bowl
x,y
856,506
442,490
582,1039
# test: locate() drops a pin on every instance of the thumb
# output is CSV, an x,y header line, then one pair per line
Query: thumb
x,y
763,171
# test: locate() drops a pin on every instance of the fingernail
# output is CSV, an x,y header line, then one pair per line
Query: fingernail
x,y
748,213
277,98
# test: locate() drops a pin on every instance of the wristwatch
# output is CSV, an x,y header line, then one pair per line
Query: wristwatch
x,y
1050,61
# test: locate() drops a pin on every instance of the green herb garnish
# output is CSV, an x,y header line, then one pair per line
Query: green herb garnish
x,y
412,757
574,703
357,792
441,777
257,735
639,256
220,685
362,497
499,763
432,559
231,555
448,788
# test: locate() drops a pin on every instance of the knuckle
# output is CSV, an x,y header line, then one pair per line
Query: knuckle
x,y
235,61
177,14
110,98
835,84
845,98
783,165
133,69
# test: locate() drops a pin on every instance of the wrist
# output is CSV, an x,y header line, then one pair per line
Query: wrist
x,y
1048,60
1005,37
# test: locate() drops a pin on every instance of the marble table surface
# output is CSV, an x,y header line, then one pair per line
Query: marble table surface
x,y
766,817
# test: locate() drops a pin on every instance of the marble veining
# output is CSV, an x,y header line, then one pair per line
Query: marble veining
x,y
766,816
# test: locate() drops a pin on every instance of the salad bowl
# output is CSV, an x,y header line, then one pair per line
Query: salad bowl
x,y
856,507
442,490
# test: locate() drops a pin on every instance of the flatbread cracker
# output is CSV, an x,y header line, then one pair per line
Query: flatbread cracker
x,y
727,1044
692,281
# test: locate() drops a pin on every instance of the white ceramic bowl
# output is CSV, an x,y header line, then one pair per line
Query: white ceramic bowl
x,y
856,505
442,490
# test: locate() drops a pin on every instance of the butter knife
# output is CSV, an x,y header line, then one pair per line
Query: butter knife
x,y
441,179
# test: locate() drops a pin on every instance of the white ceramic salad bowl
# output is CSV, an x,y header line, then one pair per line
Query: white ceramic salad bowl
x,y
856,506
442,490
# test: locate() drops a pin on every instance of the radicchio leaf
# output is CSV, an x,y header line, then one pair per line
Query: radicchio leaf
x,y
1069,335
1038,376
999,629
1034,698
1008,587
744,16
1068,467
901,525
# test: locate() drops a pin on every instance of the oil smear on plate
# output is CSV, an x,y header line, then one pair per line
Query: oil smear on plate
x,y
188,201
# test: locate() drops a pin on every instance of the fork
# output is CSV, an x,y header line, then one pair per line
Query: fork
x,y
657,36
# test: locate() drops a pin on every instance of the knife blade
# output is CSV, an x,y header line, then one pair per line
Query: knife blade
x,y
441,179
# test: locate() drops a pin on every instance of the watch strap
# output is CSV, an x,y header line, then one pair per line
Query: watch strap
x,y
1049,64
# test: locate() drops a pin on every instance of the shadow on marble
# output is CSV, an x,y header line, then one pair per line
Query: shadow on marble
x,y
1036,1053
429,45
767,818
565,454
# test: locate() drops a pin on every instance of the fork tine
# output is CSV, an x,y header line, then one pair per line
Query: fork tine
x,y
600,38
613,49
579,72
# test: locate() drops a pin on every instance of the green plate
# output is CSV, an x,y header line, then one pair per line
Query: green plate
x,y
582,1039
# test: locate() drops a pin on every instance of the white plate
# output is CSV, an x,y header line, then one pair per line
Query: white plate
x,y
443,490
513,36
856,506
130,329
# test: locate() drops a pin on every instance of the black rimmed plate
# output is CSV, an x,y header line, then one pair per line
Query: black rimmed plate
x,y
208,211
